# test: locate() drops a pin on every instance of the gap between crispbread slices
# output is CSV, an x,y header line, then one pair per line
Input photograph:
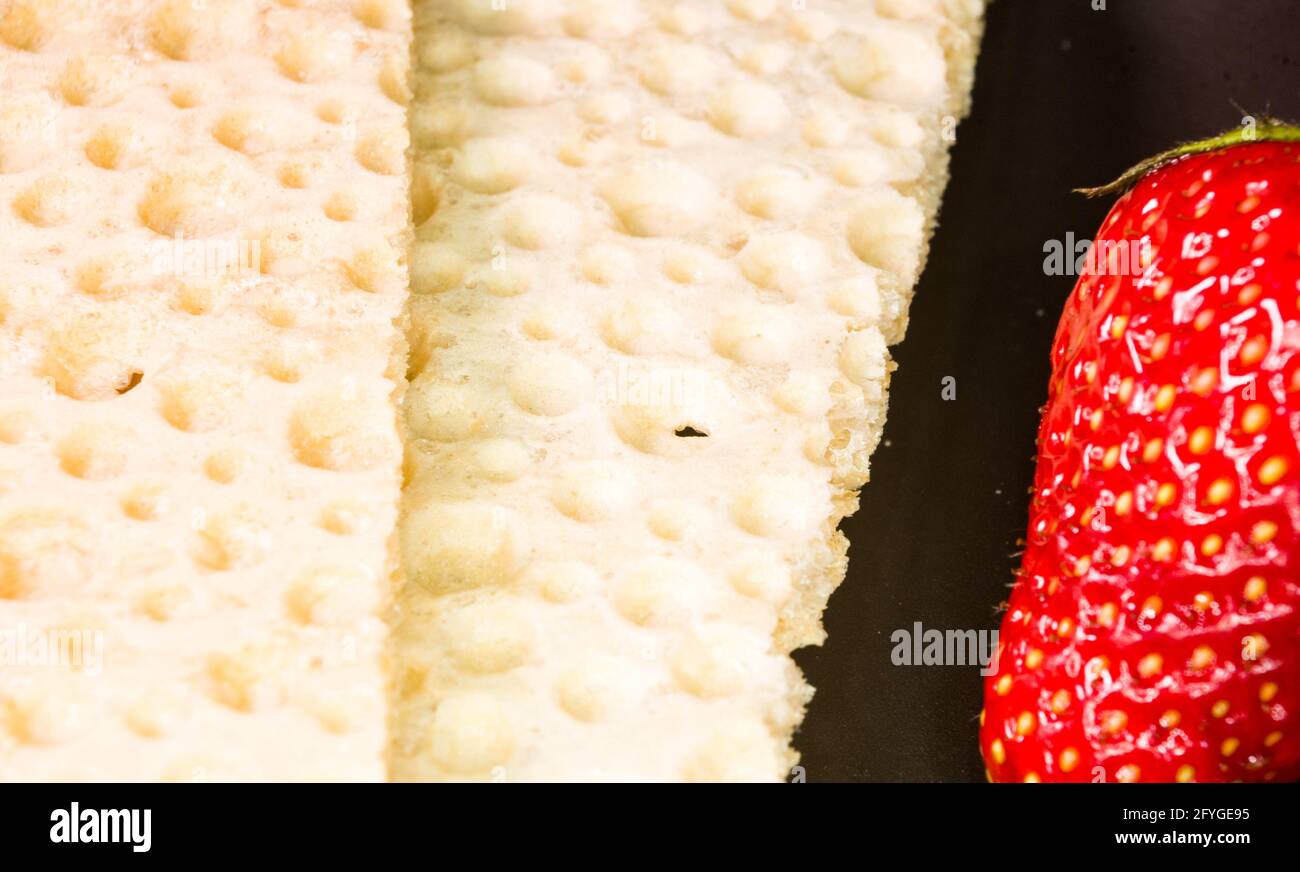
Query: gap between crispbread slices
x,y
622,235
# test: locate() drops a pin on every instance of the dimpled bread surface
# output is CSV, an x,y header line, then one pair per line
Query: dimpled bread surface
x,y
661,251
200,465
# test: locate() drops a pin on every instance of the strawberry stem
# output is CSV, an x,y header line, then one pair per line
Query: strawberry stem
x,y
1265,130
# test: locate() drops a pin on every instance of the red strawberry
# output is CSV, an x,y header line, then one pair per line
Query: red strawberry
x,y
1154,630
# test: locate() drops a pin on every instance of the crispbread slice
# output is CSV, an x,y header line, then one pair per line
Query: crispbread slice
x,y
662,249
205,225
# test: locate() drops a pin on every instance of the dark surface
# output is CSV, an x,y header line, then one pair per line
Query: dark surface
x,y
1065,96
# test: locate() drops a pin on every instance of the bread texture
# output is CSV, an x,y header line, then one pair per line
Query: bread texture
x,y
205,216
661,251
625,376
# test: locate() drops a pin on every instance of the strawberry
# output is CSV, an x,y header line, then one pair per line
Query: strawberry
x,y
1153,633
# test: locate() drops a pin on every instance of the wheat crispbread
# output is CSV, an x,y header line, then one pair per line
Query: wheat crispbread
x,y
661,250
205,225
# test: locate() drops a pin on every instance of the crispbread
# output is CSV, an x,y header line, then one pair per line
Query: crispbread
x,y
661,250
205,223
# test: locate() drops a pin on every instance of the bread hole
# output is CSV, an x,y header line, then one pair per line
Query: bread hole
x,y
687,430
136,378
341,207
185,96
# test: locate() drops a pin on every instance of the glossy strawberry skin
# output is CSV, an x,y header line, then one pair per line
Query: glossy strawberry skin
x,y
1153,633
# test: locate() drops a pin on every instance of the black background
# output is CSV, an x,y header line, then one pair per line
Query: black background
x,y
1065,96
